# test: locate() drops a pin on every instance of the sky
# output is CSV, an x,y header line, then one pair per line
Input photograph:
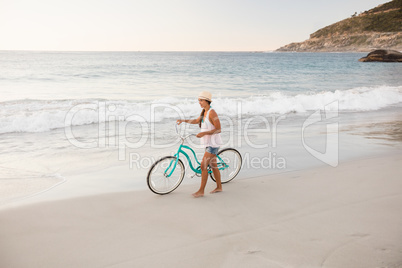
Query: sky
x,y
167,25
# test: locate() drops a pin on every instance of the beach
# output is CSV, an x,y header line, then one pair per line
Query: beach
x,y
347,216
320,135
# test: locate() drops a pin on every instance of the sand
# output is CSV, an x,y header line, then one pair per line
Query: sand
x,y
348,216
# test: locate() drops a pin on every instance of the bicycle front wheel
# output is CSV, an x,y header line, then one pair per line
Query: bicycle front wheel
x,y
165,175
229,163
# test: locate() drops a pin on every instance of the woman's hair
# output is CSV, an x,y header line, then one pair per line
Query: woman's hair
x,y
203,112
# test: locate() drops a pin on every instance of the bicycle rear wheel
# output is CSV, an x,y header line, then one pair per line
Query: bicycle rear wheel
x,y
230,164
158,178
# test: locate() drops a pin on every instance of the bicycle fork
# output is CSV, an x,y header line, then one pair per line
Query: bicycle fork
x,y
174,167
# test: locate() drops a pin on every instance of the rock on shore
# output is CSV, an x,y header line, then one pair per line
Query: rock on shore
x,y
383,55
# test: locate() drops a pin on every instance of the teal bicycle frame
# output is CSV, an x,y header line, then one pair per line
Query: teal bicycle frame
x,y
221,164
168,172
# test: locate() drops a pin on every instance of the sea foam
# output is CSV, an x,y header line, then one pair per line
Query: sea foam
x,y
45,115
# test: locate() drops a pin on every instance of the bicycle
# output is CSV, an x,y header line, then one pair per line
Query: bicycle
x,y
166,174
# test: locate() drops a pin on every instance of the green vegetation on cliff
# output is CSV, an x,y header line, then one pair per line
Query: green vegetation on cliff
x,y
375,28
384,18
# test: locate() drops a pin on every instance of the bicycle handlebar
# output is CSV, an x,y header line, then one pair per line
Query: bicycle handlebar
x,y
182,137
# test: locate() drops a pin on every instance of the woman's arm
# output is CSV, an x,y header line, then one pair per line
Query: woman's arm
x,y
214,119
189,121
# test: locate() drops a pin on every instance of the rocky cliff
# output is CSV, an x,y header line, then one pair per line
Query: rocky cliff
x,y
380,27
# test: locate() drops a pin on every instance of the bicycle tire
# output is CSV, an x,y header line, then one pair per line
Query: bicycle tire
x,y
233,158
158,182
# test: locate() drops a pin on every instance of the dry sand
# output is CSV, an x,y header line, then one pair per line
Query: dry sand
x,y
349,216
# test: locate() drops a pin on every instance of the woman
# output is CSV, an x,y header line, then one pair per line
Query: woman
x,y
210,138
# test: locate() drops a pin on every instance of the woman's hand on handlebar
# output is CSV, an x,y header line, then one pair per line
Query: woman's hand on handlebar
x,y
179,121
200,135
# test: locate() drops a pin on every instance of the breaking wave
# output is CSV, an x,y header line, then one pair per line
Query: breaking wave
x,y
45,115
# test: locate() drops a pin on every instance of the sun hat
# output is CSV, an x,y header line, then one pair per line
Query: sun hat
x,y
205,95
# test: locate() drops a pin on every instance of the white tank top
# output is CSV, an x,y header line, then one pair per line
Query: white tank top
x,y
213,140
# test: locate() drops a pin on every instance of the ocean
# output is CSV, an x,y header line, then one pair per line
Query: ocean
x,y
110,115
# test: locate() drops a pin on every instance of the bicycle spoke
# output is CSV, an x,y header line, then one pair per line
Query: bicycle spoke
x,y
229,164
165,175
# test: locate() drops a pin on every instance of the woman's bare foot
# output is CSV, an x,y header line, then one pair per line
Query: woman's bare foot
x,y
217,190
198,194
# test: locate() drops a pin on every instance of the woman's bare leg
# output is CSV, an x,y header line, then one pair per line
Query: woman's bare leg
x,y
217,175
204,174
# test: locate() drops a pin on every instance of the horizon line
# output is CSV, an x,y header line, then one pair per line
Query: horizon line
x,y
43,50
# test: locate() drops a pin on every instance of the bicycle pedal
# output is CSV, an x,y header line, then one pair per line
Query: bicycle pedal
x,y
195,174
